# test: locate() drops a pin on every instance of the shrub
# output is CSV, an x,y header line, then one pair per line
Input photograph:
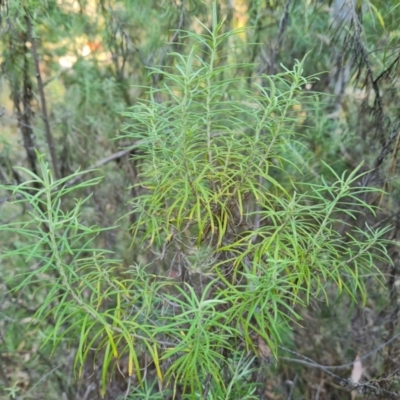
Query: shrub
x,y
233,246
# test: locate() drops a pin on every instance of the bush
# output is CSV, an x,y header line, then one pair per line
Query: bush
x,y
234,245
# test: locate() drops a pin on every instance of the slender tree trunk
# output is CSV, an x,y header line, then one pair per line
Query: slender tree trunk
x,y
49,137
25,114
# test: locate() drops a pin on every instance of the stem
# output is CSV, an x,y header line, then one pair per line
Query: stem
x,y
208,108
60,268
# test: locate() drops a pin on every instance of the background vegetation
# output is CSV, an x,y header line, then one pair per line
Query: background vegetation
x,y
199,199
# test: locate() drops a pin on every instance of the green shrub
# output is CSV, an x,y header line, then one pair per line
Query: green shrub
x,y
234,248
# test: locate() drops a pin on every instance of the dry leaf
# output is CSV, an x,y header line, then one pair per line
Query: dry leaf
x,y
263,350
357,371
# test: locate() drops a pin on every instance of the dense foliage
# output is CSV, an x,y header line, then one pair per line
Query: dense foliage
x,y
199,199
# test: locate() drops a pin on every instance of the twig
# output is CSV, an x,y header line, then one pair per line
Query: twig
x,y
275,49
26,394
320,386
293,384
89,390
207,386
156,77
310,362
103,161
345,383
128,388
180,23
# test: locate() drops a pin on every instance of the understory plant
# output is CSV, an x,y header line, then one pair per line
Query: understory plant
x,y
229,247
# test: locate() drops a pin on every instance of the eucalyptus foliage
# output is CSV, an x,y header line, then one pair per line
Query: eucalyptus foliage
x,y
235,246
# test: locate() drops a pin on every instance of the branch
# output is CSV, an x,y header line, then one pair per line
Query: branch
x,y
342,366
348,383
270,65
103,161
